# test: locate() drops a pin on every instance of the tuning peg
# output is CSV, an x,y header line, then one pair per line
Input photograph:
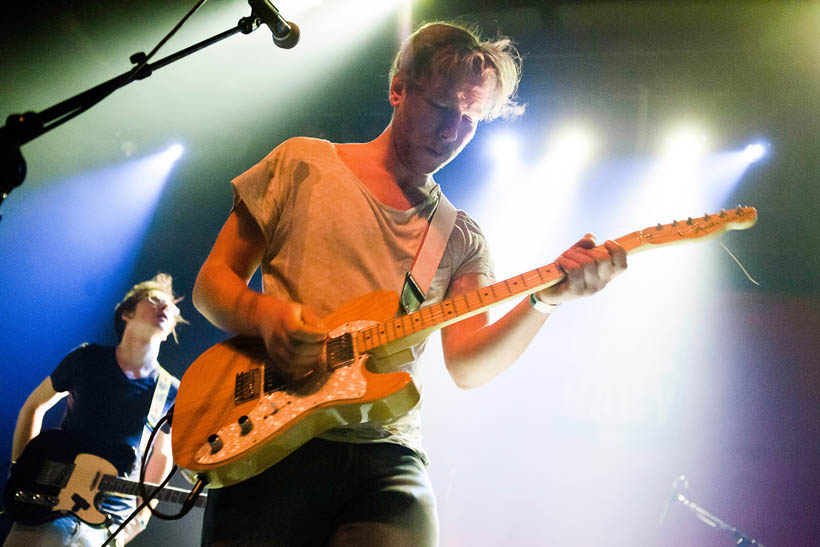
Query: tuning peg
x,y
674,223
706,216
689,221
722,213
659,227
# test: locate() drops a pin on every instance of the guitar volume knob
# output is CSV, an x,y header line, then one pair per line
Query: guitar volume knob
x,y
215,442
245,425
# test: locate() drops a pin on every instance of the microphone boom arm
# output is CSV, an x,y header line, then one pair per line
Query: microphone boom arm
x,y
23,128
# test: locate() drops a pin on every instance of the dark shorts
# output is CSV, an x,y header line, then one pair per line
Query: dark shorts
x,y
328,493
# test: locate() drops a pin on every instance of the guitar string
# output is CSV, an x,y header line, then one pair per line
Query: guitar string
x,y
397,327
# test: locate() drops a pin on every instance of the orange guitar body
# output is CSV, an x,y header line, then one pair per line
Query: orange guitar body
x,y
228,426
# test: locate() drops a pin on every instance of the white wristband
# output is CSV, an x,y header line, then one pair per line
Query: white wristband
x,y
542,307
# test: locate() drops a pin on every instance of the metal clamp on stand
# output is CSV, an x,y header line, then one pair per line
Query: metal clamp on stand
x,y
741,539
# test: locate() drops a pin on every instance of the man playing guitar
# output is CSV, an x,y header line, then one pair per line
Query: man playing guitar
x,y
110,392
331,222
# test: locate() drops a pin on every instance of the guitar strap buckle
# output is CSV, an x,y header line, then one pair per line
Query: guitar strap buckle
x,y
431,249
411,294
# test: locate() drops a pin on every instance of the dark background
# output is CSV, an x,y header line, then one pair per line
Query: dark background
x,y
561,450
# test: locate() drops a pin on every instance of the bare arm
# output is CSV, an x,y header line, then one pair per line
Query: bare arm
x,y
292,333
156,469
160,462
30,418
477,351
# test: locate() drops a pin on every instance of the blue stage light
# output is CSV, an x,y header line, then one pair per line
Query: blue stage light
x,y
754,152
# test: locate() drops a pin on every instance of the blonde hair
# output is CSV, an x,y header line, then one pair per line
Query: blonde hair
x,y
458,53
161,282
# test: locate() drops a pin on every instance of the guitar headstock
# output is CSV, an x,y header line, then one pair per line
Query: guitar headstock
x,y
704,227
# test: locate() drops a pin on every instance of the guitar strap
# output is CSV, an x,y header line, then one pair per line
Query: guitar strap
x,y
433,242
157,405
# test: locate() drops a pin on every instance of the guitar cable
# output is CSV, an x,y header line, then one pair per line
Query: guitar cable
x,y
190,500
187,505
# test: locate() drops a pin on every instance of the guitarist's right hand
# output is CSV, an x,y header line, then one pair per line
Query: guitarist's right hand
x,y
294,337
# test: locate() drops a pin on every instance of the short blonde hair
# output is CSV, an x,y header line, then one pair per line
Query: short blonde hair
x,y
457,52
162,282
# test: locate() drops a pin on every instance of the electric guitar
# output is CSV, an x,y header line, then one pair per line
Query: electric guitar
x,y
235,416
53,477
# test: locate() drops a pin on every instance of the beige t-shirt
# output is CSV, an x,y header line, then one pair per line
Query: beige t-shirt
x,y
328,241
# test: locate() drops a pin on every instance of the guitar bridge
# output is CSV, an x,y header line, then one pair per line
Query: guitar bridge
x,y
35,498
247,386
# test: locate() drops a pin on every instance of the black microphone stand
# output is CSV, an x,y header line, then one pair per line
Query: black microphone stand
x,y
22,128
741,539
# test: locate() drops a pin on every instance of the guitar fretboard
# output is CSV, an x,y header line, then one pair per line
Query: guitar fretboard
x,y
451,310
110,483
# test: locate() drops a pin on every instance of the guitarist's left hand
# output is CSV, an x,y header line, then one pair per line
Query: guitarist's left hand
x,y
588,269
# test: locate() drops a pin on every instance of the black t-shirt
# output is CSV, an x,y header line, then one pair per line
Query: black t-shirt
x,y
106,411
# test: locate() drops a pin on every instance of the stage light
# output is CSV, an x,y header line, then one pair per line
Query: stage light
x,y
754,152
323,50
685,144
175,152
568,151
504,147
573,145
90,228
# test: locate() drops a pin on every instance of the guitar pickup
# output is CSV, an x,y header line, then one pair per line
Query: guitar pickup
x,y
339,351
55,474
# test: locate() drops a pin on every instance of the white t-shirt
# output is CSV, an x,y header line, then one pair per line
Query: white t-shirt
x,y
328,241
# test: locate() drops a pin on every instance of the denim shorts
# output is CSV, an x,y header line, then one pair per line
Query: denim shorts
x,y
68,530
328,493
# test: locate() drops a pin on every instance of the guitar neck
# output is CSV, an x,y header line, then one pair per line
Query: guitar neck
x,y
117,485
407,330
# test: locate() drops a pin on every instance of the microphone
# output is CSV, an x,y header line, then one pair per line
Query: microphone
x,y
285,33
680,480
